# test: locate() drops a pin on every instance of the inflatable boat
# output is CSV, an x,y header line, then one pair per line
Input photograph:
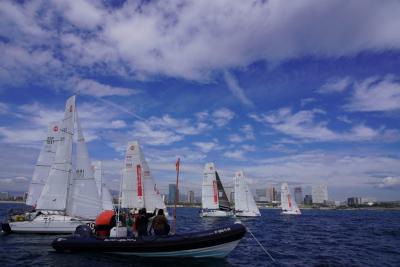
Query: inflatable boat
x,y
215,243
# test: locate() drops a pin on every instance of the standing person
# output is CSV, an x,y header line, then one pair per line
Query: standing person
x,y
160,224
143,221
129,224
135,218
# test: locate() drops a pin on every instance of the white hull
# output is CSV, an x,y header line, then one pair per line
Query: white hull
x,y
216,213
219,251
48,224
247,214
291,212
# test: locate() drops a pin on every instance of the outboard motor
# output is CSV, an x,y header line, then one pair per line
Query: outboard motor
x,y
83,231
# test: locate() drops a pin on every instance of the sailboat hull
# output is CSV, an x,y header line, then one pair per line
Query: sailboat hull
x,y
215,243
291,212
46,224
216,213
247,214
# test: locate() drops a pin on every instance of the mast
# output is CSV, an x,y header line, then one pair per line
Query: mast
x,y
176,192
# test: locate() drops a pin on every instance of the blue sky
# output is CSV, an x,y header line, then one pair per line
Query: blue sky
x,y
307,93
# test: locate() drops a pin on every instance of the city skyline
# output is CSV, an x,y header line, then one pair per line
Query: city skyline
x,y
292,100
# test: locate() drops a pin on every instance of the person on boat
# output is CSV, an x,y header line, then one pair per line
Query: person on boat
x,y
160,224
129,225
143,221
135,218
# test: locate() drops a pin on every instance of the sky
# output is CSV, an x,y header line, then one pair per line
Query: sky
x,y
306,92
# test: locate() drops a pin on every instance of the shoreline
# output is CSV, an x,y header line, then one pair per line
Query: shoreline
x,y
11,201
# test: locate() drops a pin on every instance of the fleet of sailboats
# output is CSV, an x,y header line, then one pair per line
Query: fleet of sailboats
x,y
214,200
289,205
245,205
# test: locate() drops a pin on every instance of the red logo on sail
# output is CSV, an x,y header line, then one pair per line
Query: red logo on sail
x,y
289,200
139,181
215,189
132,147
55,128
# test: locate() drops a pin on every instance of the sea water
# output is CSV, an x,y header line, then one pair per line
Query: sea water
x,y
315,238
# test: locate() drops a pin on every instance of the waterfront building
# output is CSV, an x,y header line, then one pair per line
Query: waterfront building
x,y
4,195
232,197
298,195
172,193
271,194
319,194
190,197
354,201
308,200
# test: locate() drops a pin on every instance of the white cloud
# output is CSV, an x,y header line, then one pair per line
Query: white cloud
x,y
206,146
376,94
117,124
306,125
22,136
390,183
186,39
336,85
94,88
222,116
236,154
3,108
237,91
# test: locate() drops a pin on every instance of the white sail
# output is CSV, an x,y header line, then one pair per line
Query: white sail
x,y
288,204
209,188
44,163
84,200
244,200
105,194
54,193
138,186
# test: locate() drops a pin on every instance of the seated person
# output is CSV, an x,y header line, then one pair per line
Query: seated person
x,y
160,224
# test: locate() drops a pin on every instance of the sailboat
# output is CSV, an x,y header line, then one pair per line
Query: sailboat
x,y
289,205
214,201
138,187
105,195
245,205
43,164
69,198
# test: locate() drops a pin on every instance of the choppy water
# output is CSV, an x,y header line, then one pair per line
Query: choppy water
x,y
316,238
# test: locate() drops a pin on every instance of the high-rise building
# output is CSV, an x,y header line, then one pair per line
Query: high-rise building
x,y
190,197
308,200
172,193
354,201
271,194
298,195
319,194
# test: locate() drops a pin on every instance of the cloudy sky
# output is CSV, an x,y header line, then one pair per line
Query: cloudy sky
x,y
306,92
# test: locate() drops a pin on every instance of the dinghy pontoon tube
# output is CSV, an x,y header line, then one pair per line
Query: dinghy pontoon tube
x,y
215,243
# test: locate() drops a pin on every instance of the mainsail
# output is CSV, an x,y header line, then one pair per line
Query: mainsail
x,y
287,202
84,200
244,200
213,195
138,186
43,164
106,197
54,193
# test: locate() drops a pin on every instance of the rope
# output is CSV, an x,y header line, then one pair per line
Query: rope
x,y
263,248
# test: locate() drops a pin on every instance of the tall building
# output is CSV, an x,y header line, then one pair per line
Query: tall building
x,y
298,195
319,194
271,194
308,200
171,193
190,197
354,201
232,197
